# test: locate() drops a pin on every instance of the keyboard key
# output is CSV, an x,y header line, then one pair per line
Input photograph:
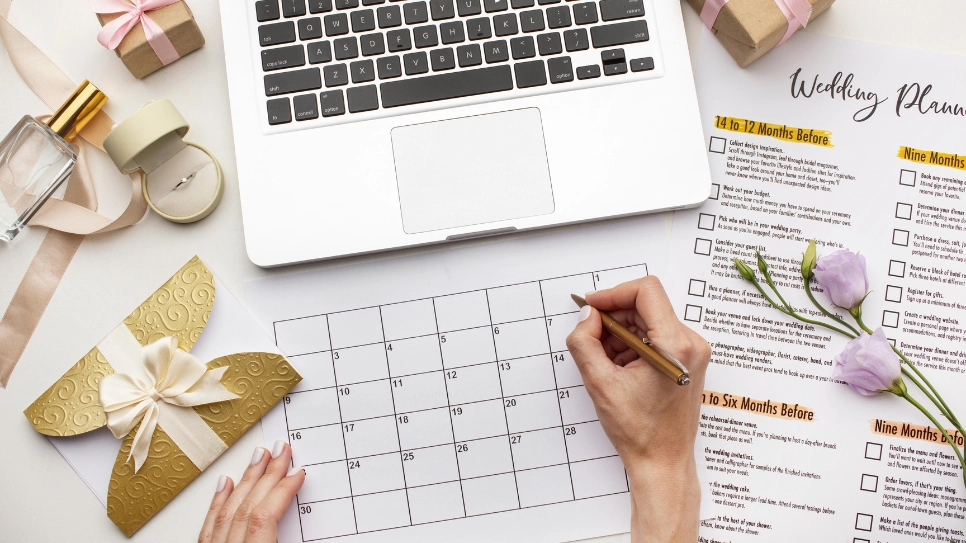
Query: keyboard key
x,y
549,43
266,10
588,72
523,47
346,4
306,107
613,10
416,63
452,32
619,33
585,13
337,24
399,40
310,29
442,9
614,61
492,6
276,33
363,20
561,70
469,55
415,12
496,51
372,2
425,36
558,16
279,111
293,8
294,81
346,48
389,67
532,21
320,6
442,59
520,4
433,88
545,2
530,74
506,24
283,57
615,69
372,44
479,28
362,71
319,52
332,103
362,98
576,39
642,64
389,16
466,8
336,75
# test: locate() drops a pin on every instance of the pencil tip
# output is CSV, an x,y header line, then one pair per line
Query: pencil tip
x,y
578,300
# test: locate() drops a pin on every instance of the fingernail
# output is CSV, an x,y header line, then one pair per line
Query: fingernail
x,y
221,484
588,293
257,456
294,470
279,447
584,313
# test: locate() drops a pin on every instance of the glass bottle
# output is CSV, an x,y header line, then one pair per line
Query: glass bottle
x,y
36,158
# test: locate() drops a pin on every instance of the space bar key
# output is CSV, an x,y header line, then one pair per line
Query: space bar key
x,y
445,86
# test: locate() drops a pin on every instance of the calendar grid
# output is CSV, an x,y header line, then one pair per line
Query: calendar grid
x,y
417,365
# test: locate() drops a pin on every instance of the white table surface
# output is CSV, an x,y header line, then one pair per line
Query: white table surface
x,y
41,499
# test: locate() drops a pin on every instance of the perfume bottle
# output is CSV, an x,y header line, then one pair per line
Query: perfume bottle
x,y
36,158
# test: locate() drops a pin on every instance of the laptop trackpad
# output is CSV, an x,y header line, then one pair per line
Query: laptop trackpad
x,y
472,170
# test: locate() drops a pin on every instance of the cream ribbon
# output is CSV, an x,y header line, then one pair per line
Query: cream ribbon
x,y
157,385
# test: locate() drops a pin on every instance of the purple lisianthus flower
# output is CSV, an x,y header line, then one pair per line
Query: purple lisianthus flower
x,y
842,275
869,365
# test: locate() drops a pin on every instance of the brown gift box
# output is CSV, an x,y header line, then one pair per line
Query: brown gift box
x,y
750,28
178,24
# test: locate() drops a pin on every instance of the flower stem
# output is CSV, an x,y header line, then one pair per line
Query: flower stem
x,y
792,313
771,284
829,314
949,440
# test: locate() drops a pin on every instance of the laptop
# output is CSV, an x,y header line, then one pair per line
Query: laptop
x,y
370,125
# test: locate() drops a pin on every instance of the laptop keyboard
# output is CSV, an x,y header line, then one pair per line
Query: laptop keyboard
x,y
336,61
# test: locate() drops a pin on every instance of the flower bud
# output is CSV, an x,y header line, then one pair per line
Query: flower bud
x,y
745,271
870,366
808,260
762,265
843,276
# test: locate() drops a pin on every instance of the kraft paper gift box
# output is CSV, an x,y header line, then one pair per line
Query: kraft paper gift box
x,y
194,310
178,24
750,28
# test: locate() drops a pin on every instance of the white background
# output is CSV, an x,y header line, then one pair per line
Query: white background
x,y
41,499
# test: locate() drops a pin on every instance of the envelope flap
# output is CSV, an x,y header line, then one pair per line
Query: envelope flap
x,y
71,405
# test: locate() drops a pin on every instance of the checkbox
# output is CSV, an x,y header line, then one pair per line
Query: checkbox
x,y
897,268
692,313
702,247
903,211
900,237
717,145
706,221
869,483
863,522
860,540
715,191
893,293
907,178
892,341
890,319
696,287
873,451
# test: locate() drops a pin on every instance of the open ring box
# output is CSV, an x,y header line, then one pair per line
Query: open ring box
x,y
181,181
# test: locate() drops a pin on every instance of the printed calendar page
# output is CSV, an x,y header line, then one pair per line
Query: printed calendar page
x,y
439,401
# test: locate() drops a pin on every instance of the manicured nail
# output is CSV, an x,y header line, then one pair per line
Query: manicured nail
x,y
588,293
294,470
257,456
279,447
584,313
221,484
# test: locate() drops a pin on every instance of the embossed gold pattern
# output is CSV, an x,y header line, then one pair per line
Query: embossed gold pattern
x,y
70,406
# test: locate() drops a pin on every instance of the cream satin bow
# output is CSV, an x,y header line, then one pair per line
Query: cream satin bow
x,y
172,381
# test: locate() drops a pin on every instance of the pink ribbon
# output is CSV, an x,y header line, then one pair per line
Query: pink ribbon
x,y
797,12
113,32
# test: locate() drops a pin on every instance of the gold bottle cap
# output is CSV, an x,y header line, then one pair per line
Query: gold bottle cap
x,y
77,111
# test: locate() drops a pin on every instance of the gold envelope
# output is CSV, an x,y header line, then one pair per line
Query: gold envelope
x,y
180,308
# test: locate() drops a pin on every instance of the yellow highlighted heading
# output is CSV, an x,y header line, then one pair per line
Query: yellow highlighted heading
x,y
821,138
935,158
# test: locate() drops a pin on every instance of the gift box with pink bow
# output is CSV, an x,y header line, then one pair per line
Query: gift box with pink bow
x,y
147,34
750,28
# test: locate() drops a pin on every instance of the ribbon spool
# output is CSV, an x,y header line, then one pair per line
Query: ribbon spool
x,y
183,182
